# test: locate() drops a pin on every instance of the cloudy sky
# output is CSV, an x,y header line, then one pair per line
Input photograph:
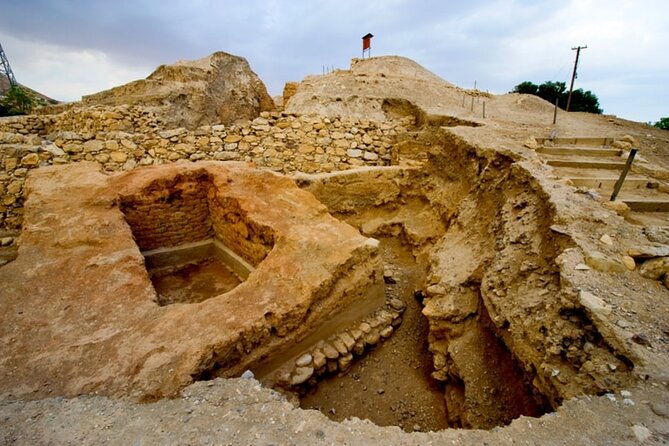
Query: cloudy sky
x,y
69,48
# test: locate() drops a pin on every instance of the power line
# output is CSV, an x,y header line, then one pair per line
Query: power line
x,y
573,75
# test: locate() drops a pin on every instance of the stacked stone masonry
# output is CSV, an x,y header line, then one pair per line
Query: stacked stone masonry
x,y
246,238
187,209
336,354
168,215
125,137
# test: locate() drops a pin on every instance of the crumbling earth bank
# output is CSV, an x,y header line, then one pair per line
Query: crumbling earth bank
x,y
512,332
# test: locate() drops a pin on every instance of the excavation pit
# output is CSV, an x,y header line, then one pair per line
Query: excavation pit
x,y
141,248
168,217
491,356
195,272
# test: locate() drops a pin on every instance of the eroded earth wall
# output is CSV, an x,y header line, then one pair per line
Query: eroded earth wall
x,y
510,333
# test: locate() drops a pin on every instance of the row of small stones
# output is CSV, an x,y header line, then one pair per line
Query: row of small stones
x,y
337,352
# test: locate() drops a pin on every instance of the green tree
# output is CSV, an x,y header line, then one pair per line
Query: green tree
x,y
18,101
585,101
663,124
526,87
551,91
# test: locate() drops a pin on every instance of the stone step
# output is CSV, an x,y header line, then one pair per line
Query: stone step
x,y
596,141
650,205
608,183
578,151
660,219
582,164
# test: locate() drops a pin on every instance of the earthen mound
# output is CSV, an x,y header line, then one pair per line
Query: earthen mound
x,y
220,88
362,90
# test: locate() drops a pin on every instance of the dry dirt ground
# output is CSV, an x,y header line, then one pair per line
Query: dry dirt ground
x,y
241,412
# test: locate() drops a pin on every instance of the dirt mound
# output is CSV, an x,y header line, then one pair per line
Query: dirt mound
x,y
395,67
220,88
361,91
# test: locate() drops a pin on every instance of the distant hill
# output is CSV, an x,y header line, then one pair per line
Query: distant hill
x,y
4,86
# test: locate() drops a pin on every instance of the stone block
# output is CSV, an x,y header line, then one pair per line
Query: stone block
x,y
93,146
118,156
30,160
354,153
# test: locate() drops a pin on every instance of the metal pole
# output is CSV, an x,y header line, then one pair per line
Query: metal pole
x,y
557,98
623,174
573,75
483,109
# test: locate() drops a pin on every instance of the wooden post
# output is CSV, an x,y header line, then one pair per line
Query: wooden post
x,y
573,75
464,96
472,109
623,174
557,98
483,109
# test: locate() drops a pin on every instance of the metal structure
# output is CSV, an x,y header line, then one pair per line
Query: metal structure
x,y
573,75
367,45
5,68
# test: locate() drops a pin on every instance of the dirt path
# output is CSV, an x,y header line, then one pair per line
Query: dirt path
x,y
391,385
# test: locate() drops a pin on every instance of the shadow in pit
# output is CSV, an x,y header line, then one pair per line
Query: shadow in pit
x,y
197,243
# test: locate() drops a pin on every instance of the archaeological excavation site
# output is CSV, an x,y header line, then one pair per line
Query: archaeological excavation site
x,y
376,257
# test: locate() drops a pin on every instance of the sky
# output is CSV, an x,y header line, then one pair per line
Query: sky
x,y
69,48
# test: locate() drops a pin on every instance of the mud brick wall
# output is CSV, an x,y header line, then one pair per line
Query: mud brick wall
x,y
248,239
169,217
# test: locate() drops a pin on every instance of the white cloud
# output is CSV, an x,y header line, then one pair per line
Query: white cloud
x,y
66,74
497,42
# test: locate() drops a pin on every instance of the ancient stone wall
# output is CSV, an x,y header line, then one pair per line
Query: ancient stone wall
x,y
124,137
336,353
165,215
246,238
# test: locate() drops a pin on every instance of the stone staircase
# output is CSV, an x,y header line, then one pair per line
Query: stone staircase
x,y
594,163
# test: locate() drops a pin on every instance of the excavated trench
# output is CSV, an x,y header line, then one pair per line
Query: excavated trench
x,y
395,384
190,239
490,332
477,327
391,385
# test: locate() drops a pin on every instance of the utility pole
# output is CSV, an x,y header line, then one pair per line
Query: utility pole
x,y
573,75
